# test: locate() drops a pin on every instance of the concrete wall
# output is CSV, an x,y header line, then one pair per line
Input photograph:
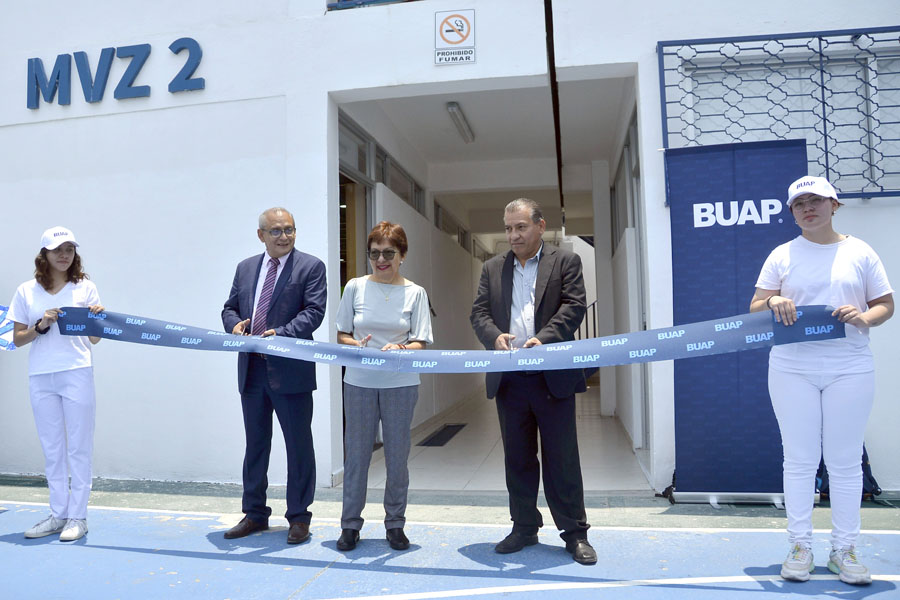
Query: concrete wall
x,y
161,230
151,184
603,276
164,191
871,221
586,252
627,318
614,43
163,194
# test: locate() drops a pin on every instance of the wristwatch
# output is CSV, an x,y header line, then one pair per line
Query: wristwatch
x,y
37,328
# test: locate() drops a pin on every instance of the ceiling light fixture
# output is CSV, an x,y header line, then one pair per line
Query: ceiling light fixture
x,y
459,119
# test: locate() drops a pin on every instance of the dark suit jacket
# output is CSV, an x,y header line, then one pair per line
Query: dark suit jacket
x,y
559,309
296,310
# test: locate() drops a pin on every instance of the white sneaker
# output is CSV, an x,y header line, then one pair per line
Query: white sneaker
x,y
798,564
48,526
75,529
843,563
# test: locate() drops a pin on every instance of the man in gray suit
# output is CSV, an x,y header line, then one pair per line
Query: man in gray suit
x,y
532,295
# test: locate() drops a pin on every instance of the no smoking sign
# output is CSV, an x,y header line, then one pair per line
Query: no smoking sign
x,y
454,37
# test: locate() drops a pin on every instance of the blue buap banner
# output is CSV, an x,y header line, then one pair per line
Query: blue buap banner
x,y
718,336
6,330
727,213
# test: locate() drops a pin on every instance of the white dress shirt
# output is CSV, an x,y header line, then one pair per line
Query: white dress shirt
x,y
264,269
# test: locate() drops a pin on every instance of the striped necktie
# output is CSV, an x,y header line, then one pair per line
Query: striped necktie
x,y
265,297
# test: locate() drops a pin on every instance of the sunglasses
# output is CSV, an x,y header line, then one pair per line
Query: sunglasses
x,y
388,254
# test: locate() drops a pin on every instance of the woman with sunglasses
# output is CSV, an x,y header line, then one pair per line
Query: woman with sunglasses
x,y
822,392
60,379
386,311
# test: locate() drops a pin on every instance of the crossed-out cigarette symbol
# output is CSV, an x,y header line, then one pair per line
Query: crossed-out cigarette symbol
x,y
455,26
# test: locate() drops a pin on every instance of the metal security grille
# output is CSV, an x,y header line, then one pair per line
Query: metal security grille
x,y
838,90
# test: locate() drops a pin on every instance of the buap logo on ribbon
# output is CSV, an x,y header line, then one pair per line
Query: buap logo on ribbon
x,y
719,336
6,330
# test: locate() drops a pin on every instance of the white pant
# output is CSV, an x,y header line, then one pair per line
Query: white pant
x,y
822,415
64,408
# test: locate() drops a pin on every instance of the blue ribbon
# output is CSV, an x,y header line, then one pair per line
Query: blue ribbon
x,y
719,336
6,326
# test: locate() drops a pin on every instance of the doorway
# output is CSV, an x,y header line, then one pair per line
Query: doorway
x,y
466,183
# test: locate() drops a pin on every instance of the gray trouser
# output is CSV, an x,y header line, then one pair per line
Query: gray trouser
x,y
363,408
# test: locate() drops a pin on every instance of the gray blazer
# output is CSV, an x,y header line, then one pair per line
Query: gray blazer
x,y
559,309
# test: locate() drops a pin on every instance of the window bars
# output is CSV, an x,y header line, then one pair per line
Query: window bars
x,y
838,90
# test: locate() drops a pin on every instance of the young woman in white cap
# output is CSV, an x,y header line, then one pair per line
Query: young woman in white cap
x,y
61,379
822,392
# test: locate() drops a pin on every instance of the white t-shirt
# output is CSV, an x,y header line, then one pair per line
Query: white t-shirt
x,y
847,272
392,314
53,352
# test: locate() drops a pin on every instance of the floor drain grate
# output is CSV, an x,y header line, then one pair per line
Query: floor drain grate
x,y
442,435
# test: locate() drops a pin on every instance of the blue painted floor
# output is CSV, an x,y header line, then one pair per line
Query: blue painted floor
x,y
142,554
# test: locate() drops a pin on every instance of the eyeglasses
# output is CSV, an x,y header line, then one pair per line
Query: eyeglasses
x,y
276,233
388,254
815,202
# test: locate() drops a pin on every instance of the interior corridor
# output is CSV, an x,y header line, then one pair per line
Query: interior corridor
x,y
473,459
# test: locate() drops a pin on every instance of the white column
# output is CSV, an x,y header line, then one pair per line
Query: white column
x,y
604,275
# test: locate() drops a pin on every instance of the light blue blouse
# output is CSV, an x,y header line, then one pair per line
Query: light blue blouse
x,y
392,314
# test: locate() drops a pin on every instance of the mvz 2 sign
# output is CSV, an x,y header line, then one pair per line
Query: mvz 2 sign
x,y
94,84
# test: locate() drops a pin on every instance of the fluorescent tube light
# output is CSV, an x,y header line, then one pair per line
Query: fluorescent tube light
x,y
459,119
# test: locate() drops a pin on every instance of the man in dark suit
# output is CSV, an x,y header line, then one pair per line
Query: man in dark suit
x,y
279,292
532,295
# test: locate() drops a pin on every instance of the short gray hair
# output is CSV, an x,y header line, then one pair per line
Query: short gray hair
x,y
525,204
264,215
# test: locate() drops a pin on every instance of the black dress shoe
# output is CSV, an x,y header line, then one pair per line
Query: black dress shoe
x,y
245,528
582,551
397,539
299,532
348,540
514,542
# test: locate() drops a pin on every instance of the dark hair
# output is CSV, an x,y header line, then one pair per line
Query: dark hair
x,y
42,270
525,204
391,232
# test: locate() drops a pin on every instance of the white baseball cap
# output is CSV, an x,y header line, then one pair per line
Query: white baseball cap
x,y
55,237
811,185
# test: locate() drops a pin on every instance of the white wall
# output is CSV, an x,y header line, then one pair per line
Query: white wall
x,y
163,194
192,171
604,281
627,318
614,42
156,185
147,217
368,63
873,222
586,252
